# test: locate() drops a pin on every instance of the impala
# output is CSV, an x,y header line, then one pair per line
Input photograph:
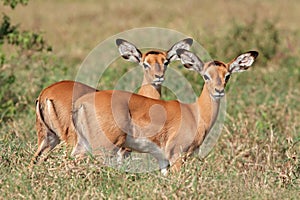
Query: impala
x,y
170,131
54,104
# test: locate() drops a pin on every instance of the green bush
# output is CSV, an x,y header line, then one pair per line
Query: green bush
x,y
23,41
14,3
7,97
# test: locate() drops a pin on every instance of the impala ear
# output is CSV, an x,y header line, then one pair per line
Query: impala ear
x,y
190,60
242,62
128,51
183,44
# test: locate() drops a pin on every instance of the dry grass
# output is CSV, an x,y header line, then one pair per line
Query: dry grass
x,y
75,27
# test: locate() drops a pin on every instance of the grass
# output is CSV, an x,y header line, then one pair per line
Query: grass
x,y
258,153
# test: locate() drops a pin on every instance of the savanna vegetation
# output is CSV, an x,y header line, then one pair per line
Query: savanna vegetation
x,y
256,157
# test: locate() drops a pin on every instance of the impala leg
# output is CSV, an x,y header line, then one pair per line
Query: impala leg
x,y
46,144
164,164
122,154
176,166
78,151
146,146
165,169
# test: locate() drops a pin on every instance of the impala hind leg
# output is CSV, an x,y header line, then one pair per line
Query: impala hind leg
x,y
79,150
47,138
45,144
80,126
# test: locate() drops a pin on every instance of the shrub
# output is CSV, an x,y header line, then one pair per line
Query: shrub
x,y
22,41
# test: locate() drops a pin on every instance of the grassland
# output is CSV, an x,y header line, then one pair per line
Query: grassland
x,y
258,153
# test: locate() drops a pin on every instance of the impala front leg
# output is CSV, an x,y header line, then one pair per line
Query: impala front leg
x,y
164,164
176,166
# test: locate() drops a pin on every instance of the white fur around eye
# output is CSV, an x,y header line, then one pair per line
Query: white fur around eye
x,y
227,76
166,63
146,65
206,77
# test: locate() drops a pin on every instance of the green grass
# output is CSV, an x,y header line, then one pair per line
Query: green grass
x,y
258,153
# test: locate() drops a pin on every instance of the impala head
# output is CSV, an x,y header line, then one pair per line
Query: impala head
x,y
216,74
154,62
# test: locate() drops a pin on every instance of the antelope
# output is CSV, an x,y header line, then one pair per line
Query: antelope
x,y
170,131
54,104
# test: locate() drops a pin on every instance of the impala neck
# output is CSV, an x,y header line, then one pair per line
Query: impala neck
x,y
151,91
208,108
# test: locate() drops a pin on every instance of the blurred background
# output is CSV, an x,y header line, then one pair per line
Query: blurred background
x,y
257,155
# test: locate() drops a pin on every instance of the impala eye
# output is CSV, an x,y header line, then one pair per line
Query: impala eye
x,y
206,78
227,77
146,65
166,63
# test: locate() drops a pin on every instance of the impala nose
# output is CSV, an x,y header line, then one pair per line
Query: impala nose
x,y
158,79
219,91
219,94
